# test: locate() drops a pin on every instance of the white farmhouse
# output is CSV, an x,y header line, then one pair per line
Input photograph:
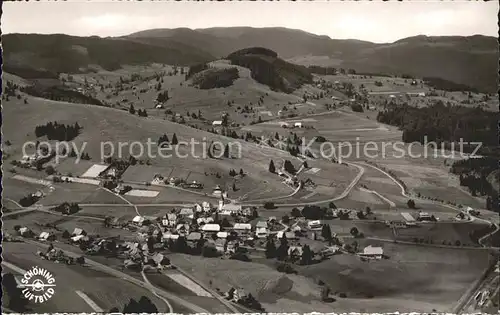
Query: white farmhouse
x,y
314,225
211,227
242,227
138,220
261,232
372,252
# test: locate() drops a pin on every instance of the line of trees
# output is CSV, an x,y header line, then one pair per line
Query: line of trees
x,y
445,85
443,123
67,208
162,97
140,112
195,69
164,140
59,93
57,131
216,78
13,297
477,175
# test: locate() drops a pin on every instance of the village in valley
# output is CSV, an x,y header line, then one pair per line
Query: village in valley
x,y
255,217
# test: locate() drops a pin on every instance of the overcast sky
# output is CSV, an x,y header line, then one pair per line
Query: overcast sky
x,y
372,21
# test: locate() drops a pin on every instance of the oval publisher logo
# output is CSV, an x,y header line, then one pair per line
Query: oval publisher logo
x,y
38,285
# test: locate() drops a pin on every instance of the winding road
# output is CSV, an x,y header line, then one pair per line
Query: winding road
x,y
466,300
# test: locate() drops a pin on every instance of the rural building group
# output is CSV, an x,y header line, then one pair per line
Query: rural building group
x,y
227,230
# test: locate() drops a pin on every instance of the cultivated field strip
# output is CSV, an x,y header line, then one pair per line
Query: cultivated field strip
x,y
188,283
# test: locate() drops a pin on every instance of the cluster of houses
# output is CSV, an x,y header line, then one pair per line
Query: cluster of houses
x,y
199,222
224,228
29,160
137,256
158,179
227,227
297,124
77,236
56,255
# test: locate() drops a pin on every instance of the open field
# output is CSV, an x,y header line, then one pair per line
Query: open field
x,y
410,274
169,195
407,271
101,196
399,86
69,166
339,126
425,174
266,284
336,127
15,189
167,284
9,205
431,178
245,185
143,193
121,212
81,193
34,220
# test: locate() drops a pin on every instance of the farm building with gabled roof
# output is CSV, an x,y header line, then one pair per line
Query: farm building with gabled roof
x,y
211,227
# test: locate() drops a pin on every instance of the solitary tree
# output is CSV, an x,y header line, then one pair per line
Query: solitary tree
x,y
411,204
282,251
66,234
307,255
174,139
326,232
272,168
270,248
354,231
288,166
296,213
325,293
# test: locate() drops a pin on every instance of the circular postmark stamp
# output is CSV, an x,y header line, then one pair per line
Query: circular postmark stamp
x,y
38,285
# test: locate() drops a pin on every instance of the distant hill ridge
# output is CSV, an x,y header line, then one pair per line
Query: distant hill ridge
x,y
35,55
469,60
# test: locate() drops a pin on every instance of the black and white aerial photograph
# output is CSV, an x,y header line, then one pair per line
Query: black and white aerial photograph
x,y
250,157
